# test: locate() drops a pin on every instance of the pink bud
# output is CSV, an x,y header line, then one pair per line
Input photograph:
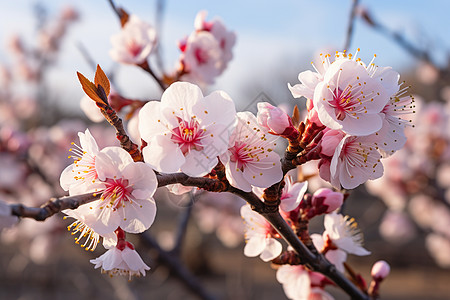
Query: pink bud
x,y
330,141
313,117
326,200
275,120
380,270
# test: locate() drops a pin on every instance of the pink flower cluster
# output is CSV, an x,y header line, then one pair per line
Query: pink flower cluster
x,y
206,52
363,108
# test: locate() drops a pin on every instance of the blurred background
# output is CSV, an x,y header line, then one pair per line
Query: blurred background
x,y
405,216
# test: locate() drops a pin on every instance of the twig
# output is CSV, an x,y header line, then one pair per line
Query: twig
x,y
208,184
316,263
160,7
408,46
52,207
177,268
182,226
114,7
146,67
351,21
87,57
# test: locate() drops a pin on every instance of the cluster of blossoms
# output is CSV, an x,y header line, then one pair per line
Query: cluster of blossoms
x,y
416,186
362,108
206,52
355,118
353,121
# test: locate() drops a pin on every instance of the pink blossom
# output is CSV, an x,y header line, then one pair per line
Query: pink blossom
x,y
134,43
186,131
330,141
349,99
295,281
81,176
343,236
397,114
121,260
347,94
202,57
325,200
355,161
225,38
126,188
259,236
291,195
250,159
302,284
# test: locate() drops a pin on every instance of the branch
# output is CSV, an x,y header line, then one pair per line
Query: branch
x,y
177,268
317,262
52,207
114,7
351,22
146,67
408,46
208,184
182,225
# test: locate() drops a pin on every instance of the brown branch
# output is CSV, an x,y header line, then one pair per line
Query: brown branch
x,y
52,207
317,263
116,10
208,184
99,91
183,225
292,150
146,67
421,54
351,22
125,142
177,268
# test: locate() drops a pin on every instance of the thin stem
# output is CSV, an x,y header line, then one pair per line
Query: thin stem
x,y
182,225
114,7
351,22
146,67
177,268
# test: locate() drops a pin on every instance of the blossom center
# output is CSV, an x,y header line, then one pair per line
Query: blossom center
x,y
201,55
188,135
342,103
242,154
134,48
117,192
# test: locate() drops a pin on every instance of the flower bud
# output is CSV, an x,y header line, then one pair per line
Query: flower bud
x,y
330,141
313,116
380,270
325,200
275,120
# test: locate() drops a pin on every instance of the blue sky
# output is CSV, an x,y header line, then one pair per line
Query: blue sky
x,y
272,35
